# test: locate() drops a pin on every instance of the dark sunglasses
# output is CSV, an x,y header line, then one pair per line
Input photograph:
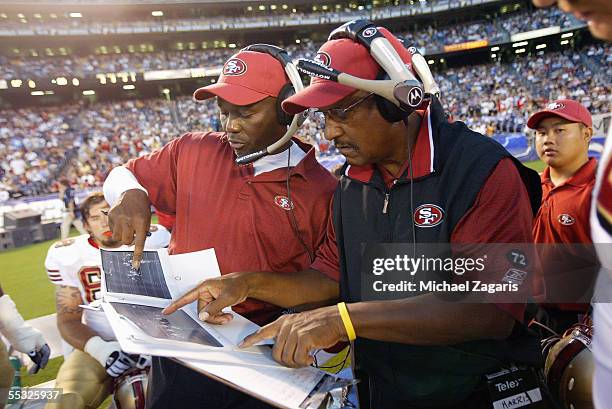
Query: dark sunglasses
x,y
339,114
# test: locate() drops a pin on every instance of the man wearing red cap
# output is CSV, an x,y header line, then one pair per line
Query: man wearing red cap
x,y
563,132
408,180
269,215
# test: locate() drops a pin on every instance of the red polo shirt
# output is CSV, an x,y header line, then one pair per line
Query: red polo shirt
x,y
501,213
245,218
563,218
564,214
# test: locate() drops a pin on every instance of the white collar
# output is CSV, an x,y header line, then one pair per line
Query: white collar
x,y
271,162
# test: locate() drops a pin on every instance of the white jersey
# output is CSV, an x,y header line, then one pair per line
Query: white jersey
x,y
602,311
76,262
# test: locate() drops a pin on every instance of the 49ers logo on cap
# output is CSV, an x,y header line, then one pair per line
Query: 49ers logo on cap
x,y
234,66
412,50
555,105
323,58
283,202
428,215
369,32
566,220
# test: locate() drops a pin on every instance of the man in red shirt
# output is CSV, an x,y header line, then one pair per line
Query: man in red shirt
x,y
563,132
409,180
269,215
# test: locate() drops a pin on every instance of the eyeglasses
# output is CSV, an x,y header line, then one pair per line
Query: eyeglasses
x,y
339,114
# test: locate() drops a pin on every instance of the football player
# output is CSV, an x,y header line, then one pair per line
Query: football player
x,y
97,363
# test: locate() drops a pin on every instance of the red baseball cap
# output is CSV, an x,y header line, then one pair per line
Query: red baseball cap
x,y
564,108
346,56
246,78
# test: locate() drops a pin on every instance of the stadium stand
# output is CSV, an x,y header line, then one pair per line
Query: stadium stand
x,y
428,37
494,99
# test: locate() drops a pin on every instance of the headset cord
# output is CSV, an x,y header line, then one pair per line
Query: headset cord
x,y
292,218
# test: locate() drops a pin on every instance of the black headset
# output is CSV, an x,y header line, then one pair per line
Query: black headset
x,y
295,84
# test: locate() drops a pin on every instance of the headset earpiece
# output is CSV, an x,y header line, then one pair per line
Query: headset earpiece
x,y
286,91
389,111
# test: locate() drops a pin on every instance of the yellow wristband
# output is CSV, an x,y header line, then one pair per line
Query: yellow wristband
x,y
346,320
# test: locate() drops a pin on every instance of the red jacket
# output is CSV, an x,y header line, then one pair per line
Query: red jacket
x,y
221,205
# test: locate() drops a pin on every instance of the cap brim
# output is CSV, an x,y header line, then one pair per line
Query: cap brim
x,y
234,94
316,95
535,119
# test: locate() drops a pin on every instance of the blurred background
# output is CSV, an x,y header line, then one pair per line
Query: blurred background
x,y
85,85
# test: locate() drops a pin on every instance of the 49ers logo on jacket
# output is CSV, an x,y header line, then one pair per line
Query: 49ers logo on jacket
x,y
566,220
283,202
234,67
428,215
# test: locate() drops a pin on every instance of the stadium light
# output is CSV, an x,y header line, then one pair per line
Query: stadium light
x,y
75,15
31,84
297,41
262,7
129,86
522,43
20,15
495,48
519,51
61,81
430,62
53,15
3,15
89,92
75,82
285,7
564,42
273,7
493,55
157,13
567,35
232,45
37,93
16,83
166,91
37,15
49,92
540,46
3,84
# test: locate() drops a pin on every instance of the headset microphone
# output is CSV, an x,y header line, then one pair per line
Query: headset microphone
x,y
399,92
407,94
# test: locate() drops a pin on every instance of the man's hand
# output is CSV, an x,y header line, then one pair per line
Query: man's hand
x,y
213,296
110,356
22,336
298,336
129,220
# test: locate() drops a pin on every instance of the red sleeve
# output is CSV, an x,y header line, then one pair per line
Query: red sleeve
x,y
326,256
501,214
157,172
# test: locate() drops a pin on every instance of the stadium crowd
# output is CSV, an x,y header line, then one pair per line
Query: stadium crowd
x,y
426,38
37,143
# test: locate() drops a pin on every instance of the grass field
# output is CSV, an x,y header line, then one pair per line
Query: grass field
x,y
23,276
536,165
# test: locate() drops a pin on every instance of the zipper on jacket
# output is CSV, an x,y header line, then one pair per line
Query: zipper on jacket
x,y
385,203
